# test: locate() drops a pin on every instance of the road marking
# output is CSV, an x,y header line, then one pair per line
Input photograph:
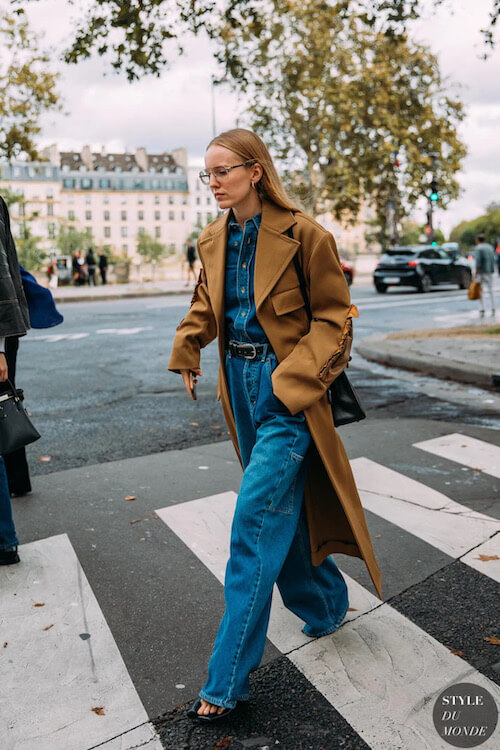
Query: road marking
x,y
61,663
383,674
204,525
53,338
427,514
477,454
379,670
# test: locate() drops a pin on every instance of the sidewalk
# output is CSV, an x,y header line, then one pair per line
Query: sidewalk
x,y
469,354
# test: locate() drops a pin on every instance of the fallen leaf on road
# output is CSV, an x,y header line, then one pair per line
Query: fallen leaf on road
x,y
486,558
492,639
39,604
475,468
377,536
136,520
45,458
99,710
352,609
142,539
457,653
194,424
131,497
49,627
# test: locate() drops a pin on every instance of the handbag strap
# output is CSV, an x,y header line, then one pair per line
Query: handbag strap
x,y
301,278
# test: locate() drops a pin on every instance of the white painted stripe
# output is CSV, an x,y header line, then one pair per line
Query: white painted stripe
x,y
383,674
51,678
465,450
379,670
486,558
420,510
204,526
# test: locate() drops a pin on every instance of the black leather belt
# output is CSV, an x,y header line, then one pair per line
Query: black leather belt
x,y
247,350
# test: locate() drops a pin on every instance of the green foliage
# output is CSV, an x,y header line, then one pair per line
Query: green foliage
x,y
29,254
27,87
149,248
489,223
336,101
11,196
70,239
410,234
142,36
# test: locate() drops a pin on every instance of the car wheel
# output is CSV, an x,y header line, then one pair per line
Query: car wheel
x,y
381,288
465,280
348,277
425,283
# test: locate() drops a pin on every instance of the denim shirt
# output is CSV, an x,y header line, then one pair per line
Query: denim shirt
x,y
241,322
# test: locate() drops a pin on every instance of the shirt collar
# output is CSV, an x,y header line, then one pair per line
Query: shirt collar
x,y
256,220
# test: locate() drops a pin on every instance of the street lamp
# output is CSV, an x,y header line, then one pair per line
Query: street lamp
x,y
215,82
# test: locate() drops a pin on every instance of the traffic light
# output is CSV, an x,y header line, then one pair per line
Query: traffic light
x,y
434,191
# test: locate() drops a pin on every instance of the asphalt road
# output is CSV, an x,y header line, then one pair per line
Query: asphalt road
x,y
99,389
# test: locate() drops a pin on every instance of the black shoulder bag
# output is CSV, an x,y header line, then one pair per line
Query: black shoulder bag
x,y
16,428
344,401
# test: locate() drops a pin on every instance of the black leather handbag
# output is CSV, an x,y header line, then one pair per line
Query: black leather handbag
x,y
16,428
344,401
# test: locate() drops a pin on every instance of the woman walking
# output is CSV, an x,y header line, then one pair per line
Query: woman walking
x,y
298,502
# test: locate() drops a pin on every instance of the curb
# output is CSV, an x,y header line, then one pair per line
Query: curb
x,y
122,295
379,348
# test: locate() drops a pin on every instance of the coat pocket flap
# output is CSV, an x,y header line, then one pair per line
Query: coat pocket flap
x,y
290,299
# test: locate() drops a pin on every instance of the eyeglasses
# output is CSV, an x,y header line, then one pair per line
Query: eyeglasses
x,y
221,172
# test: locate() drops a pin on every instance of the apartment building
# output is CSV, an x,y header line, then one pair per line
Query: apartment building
x,y
113,196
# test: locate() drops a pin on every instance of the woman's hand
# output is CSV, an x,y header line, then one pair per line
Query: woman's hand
x,y
4,370
190,377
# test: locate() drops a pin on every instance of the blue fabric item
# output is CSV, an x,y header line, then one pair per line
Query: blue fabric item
x,y
241,322
8,538
269,535
41,305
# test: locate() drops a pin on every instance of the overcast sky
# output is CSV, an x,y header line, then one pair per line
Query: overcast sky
x,y
175,110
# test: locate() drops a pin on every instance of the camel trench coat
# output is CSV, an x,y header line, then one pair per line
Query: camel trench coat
x,y
310,356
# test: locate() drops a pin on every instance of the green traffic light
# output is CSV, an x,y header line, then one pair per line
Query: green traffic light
x,y
434,244
434,197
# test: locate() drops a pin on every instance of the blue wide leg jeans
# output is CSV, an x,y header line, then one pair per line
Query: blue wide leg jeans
x,y
269,535
8,538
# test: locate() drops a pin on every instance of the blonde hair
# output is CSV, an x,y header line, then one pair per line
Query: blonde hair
x,y
249,146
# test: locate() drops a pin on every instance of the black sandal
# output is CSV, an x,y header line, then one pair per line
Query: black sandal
x,y
193,712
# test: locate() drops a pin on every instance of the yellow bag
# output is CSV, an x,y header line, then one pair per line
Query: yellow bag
x,y
474,290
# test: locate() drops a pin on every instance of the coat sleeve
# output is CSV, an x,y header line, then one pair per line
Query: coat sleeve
x,y
197,329
321,355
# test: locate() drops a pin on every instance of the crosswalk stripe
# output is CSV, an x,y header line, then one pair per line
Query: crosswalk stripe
x,y
477,454
423,511
383,674
379,670
204,525
63,682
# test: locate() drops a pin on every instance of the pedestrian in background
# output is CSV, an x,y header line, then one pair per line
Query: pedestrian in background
x,y
298,501
103,265
14,322
91,266
485,261
191,257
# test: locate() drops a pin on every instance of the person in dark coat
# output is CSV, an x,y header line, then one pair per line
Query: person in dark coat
x,y
190,257
103,265
91,266
14,322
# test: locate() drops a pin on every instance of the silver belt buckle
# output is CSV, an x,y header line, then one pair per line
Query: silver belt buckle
x,y
254,352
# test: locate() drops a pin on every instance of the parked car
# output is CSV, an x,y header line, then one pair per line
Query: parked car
x,y
348,270
420,266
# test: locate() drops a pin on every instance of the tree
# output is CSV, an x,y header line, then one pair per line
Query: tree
x,y
351,115
69,239
27,87
489,223
150,249
29,254
133,33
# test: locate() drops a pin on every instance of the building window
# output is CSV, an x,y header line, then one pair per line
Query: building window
x,y
88,200
198,200
125,249
89,231
88,215
123,216
22,209
140,200
157,216
106,215
209,217
105,200
141,230
71,215
140,215
50,209
51,231
124,232
208,201
184,200
198,186
86,183
104,183
198,219
123,200
171,215
68,183
182,215
157,232
50,194
157,200
171,200
107,231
